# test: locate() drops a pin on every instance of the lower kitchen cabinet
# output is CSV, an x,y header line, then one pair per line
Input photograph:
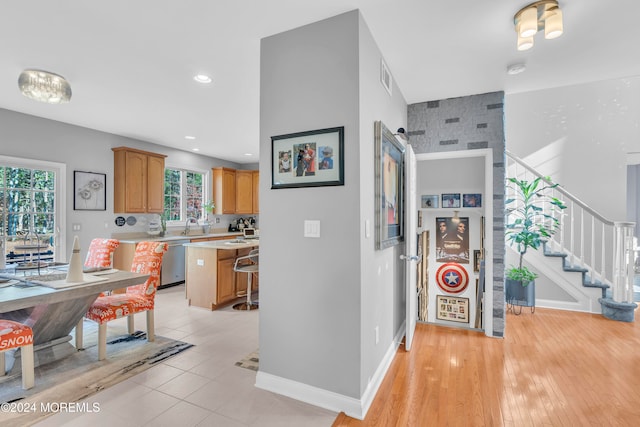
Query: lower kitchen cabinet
x,y
211,281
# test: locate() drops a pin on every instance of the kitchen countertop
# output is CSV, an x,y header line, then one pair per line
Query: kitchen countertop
x,y
142,237
225,244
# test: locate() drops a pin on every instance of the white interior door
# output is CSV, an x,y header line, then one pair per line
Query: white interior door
x,y
411,245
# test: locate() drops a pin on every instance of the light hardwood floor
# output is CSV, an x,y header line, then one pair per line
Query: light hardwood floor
x,y
553,368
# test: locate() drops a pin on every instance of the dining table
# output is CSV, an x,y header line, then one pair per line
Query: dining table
x,y
50,305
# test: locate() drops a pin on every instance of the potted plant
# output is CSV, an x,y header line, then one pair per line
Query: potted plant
x,y
528,226
163,224
208,207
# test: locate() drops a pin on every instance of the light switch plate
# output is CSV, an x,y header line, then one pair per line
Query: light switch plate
x,y
311,228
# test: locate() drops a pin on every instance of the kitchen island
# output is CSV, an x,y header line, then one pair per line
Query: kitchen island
x,y
210,280
173,264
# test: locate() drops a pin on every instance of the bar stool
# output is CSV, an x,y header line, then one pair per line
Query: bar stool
x,y
16,335
247,264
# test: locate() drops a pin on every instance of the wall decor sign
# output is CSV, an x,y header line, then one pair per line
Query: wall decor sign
x,y
451,200
455,309
452,278
308,159
428,201
89,191
389,185
473,200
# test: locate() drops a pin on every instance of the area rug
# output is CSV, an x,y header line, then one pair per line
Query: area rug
x,y
251,361
79,374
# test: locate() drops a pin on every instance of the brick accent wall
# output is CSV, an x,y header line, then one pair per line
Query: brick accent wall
x,y
468,123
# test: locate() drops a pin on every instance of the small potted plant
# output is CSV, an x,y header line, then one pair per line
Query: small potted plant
x,y
528,226
208,207
163,224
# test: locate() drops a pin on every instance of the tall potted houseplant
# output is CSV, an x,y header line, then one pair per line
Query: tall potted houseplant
x,y
531,221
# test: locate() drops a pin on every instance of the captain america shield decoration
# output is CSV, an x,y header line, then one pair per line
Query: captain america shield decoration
x,y
452,278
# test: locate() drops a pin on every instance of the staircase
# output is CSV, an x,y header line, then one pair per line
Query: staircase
x,y
599,249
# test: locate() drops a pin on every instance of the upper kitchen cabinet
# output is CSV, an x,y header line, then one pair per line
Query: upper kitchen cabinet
x,y
138,182
256,193
244,192
235,191
224,190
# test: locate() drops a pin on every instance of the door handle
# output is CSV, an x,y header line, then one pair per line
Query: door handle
x,y
409,258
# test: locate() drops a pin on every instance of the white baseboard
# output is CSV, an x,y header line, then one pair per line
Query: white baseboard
x,y
355,408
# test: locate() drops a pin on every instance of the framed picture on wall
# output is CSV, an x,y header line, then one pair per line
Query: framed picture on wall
x,y
429,201
89,191
477,256
308,159
454,309
389,185
451,200
473,200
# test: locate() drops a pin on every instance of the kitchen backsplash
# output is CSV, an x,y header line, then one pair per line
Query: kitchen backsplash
x,y
139,223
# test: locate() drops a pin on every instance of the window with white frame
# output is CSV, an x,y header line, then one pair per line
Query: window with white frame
x,y
30,199
184,192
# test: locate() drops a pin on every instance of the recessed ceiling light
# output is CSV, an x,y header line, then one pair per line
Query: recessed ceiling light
x,y
195,149
202,78
514,69
189,137
248,154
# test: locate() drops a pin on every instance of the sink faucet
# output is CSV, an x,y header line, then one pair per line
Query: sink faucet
x,y
186,225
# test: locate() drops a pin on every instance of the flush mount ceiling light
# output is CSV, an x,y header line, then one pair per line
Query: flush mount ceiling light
x,y
541,15
44,86
514,69
202,78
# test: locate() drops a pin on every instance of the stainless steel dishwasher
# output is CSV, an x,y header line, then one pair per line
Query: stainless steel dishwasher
x,y
173,265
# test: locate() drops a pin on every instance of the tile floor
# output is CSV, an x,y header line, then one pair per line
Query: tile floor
x,y
200,387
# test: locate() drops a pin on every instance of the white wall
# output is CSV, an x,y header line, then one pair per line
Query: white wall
x,y
580,136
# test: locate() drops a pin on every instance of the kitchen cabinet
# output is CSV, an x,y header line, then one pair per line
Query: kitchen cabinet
x,y
256,185
235,191
211,281
224,190
244,192
138,181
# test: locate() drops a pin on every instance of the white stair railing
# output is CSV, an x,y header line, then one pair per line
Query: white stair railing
x,y
587,237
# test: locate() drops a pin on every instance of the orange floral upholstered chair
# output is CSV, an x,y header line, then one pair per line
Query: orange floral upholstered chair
x,y
14,335
147,259
100,253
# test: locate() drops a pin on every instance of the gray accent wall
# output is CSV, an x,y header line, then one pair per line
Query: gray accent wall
x,y
469,123
322,298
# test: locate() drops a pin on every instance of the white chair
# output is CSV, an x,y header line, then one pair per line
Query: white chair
x,y
247,264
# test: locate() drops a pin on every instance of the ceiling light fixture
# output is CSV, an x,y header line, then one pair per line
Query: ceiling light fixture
x,y
189,137
514,69
202,78
541,15
44,86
